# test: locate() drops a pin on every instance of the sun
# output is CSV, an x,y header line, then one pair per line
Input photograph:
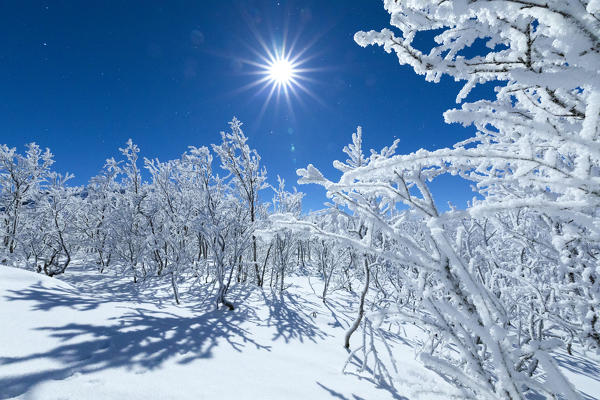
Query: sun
x,y
281,71
281,74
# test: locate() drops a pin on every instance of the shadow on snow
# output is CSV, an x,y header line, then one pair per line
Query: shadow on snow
x,y
144,339
290,318
140,338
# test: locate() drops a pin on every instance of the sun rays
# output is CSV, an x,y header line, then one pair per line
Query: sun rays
x,y
280,72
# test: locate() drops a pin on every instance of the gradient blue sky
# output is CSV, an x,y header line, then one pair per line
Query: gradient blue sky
x,y
81,77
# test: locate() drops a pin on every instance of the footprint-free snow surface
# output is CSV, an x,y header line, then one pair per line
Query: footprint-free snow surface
x,y
93,336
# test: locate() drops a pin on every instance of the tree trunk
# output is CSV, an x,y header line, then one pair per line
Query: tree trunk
x,y
262,273
361,306
175,289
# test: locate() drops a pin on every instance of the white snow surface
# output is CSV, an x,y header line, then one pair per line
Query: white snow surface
x,y
89,336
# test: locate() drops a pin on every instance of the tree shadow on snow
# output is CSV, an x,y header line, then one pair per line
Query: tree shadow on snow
x,y
338,395
83,298
288,314
91,289
343,310
377,381
578,365
47,299
140,339
115,286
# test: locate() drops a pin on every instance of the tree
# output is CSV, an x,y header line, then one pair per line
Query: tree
x,y
59,209
222,221
20,179
129,228
98,214
537,142
243,165
285,240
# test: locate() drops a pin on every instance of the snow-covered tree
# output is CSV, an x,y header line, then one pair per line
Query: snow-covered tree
x,y
97,216
537,141
129,230
285,241
20,179
58,211
243,165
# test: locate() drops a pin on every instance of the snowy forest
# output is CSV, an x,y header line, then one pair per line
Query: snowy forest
x,y
498,300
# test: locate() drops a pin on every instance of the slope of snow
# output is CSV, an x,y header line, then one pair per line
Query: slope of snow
x,y
95,339
92,337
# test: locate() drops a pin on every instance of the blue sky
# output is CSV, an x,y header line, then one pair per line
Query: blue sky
x,y
83,77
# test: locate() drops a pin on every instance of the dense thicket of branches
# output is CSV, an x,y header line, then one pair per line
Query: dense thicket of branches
x,y
496,288
499,286
185,220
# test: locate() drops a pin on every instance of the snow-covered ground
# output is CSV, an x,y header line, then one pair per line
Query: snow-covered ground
x,y
88,336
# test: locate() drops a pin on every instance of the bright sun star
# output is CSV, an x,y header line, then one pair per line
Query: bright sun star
x,y
281,72
281,75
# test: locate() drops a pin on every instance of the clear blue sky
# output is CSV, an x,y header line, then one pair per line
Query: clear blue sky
x,y
81,77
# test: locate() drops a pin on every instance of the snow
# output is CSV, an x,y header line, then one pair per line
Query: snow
x,y
93,338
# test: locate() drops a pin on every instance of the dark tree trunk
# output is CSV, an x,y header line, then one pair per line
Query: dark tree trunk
x,y
361,306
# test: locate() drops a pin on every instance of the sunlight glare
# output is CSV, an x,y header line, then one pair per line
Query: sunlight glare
x,y
281,71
